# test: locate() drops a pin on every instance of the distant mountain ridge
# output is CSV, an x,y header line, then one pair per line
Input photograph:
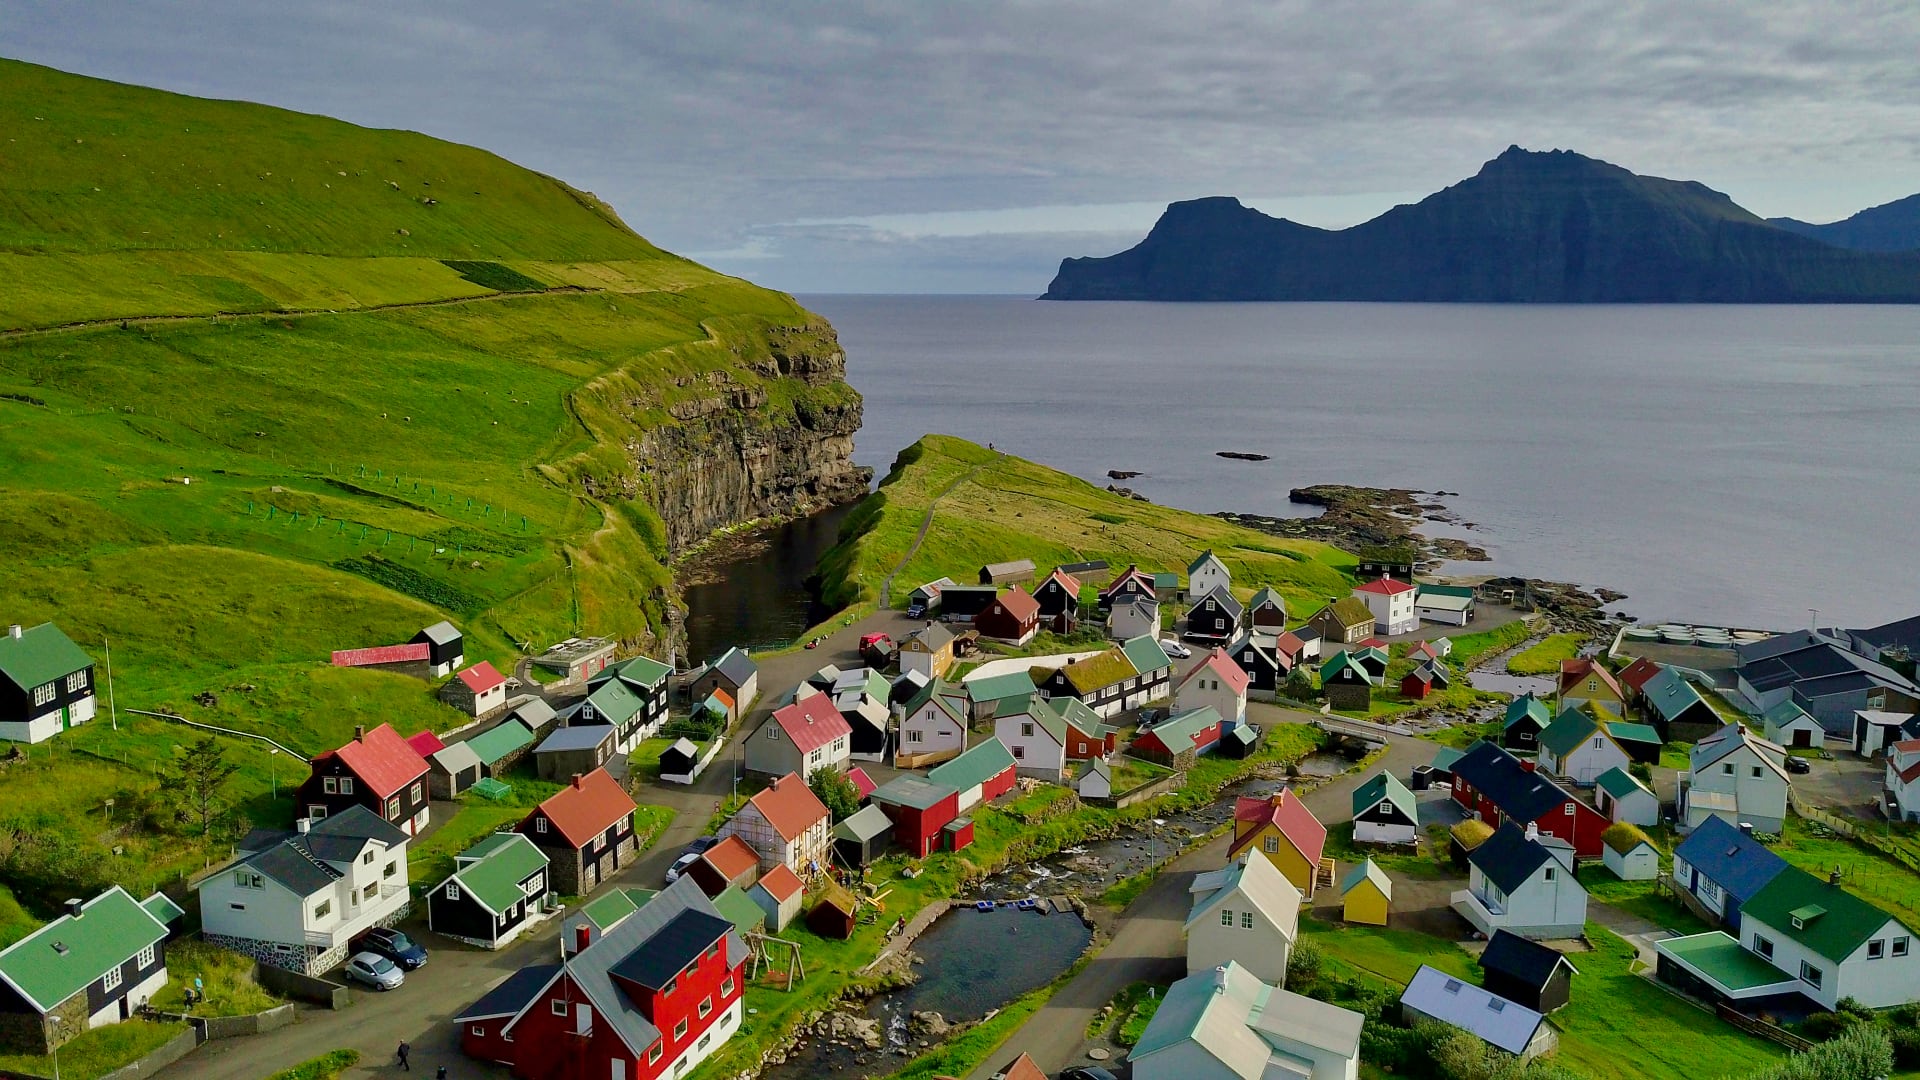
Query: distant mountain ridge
x,y
1529,227
1894,226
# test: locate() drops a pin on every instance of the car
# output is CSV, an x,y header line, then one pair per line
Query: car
x,y
1798,765
1148,718
1087,1072
1175,649
916,611
688,856
376,971
394,945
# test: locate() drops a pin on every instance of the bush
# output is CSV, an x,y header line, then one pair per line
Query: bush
x,y
1641,771
1864,1051
838,792
325,1067
1304,965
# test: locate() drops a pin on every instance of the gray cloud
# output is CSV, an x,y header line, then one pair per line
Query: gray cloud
x,y
719,127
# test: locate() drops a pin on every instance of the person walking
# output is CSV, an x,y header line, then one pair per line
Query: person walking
x,y
403,1052
440,1073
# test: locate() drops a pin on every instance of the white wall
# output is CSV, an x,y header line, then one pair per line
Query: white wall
x,y
1587,762
1877,984
1761,799
939,732
1538,902
1206,688
1035,751
1211,575
1262,949
272,912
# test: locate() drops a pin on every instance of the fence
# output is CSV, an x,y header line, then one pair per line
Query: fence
x,y
302,758
1813,813
1760,1028
292,984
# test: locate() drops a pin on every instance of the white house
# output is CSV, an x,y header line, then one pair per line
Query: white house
x,y
1622,798
1206,574
1226,1024
1391,603
296,899
1445,605
1577,746
805,736
1037,738
933,726
1787,724
1094,780
1523,883
1217,681
1903,781
785,824
1385,812
1134,618
1247,912
1626,851
1504,1025
46,683
1736,775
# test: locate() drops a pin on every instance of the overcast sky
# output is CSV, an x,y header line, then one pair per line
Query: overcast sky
x,y
967,147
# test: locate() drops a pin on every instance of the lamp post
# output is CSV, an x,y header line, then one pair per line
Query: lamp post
x,y
55,1021
273,770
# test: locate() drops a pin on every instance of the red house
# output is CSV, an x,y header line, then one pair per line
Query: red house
x,y
654,996
1497,787
1014,617
1179,740
919,809
1088,736
378,770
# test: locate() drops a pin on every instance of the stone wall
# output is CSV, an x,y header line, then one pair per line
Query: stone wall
x,y
29,1033
308,988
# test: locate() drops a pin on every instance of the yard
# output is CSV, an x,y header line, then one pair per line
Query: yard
x,y
1544,656
1869,874
98,1052
226,981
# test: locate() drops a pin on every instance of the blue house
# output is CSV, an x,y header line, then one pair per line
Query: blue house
x,y
1723,868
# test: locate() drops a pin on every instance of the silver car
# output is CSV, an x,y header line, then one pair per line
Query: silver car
x,y
376,971
1175,649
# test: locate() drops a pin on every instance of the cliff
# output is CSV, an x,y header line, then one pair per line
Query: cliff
x,y
1893,226
1551,227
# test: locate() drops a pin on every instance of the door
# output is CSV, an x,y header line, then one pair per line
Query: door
x,y
1802,739
66,719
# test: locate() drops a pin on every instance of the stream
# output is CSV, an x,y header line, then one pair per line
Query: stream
x,y
760,590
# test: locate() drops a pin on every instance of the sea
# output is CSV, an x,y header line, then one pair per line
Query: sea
x,y
1748,466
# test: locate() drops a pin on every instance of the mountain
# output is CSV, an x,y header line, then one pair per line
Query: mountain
x,y
1894,226
1553,227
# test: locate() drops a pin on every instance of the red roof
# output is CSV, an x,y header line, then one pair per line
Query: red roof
x,y
589,806
1023,1068
1912,772
862,783
1130,573
1385,586
1425,649
1286,813
1222,665
725,698
381,654
425,742
1371,643
1288,644
731,858
789,806
1572,671
382,760
1637,673
811,723
482,677
781,883
1020,604
1067,581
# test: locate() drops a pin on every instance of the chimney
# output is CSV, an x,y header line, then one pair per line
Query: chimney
x,y
14,631
1533,831
74,907
1747,827
359,732
582,937
1220,979
1833,879
576,780
302,825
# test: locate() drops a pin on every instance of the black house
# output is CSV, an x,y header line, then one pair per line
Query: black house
x,y
446,648
1527,972
679,759
1261,665
1396,561
46,683
1059,598
497,885
1214,617
960,603
95,964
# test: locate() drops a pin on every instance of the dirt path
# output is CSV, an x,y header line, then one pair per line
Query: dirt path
x,y
305,313
886,587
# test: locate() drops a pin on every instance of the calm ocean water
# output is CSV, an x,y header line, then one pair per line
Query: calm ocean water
x,y
1726,464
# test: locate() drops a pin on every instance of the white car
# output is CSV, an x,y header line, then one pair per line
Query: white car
x,y
1175,649
376,971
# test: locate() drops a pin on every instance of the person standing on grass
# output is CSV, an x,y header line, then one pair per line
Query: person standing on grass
x,y
402,1052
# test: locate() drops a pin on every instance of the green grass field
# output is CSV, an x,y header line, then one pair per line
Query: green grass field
x,y
1872,876
99,1051
1544,656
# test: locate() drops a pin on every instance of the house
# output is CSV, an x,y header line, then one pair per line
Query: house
x,y
501,747
1179,740
920,809
779,895
1226,1024
928,650
378,770
1037,739
1634,677
1166,585
297,899
586,830
1260,661
97,964
1087,735
46,684
1246,911
1824,677
1059,599
1495,787
861,838
1526,972
1584,680
1214,617
1384,811
680,761
835,913
1507,1026
1086,569
927,596
1207,574
632,696
577,659
1722,867
1094,779
529,710
786,824
1347,683
960,603
1006,573
1239,741
727,864
1281,828
1902,784
1366,895
497,889
652,997
993,695
1130,584
933,726
980,775
1216,682
732,671
907,686
1876,729
1103,682
1344,621
1012,617
1429,676
479,691
1390,601
1617,794
1267,613
860,694
802,737
1736,775
1789,725
1134,618
1628,853
1676,706
451,770
1527,716
1153,668
574,750
1803,935
1578,746
1448,605
1522,881
446,648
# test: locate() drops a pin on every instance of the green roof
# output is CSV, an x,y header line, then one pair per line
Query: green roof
x,y
1076,712
1464,592
615,702
1618,783
1526,705
1834,922
1197,563
1385,785
1099,671
1640,733
1568,730
1049,721
1719,957
1624,836
487,846
1264,596
945,697
912,791
39,656
1366,871
1344,660
1444,758
1350,611
494,880
501,741
998,687
1165,579
739,909
61,958
1175,730
162,907
644,670
983,762
1145,654
604,911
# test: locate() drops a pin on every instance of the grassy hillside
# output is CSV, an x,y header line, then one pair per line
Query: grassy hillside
x,y
992,507
406,379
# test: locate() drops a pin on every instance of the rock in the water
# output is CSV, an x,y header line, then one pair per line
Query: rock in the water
x,y
1121,474
1240,455
930,1024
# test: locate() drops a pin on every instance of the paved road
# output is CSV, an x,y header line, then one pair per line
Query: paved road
x,y
1148,945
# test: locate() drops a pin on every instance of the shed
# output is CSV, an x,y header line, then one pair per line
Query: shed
x,y
531,711
1095,780
452,770
1240,740
680,759
919,808
1366,895
957,834
834,914
502,747
1623,798
779,894
574,750
1006,573
1628,853
446,648
1534,975
731,863
1504,1025
861,838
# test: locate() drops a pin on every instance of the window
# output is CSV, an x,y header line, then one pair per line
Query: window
x,y
413,793
1020,752
557,1006
705,1039
726,986
393,807
1876,949
330,785
540,825
1246,920
1596,742
392,869
1727,769
1763,946
1080,747
773,731
1271,845
653,1055
816,757
478,1029
1226,917
1496,1004
1026,731
453,890
534,884
346,785
1453,986
1549,876
43,695
680,1030
1567,810
916,735
76,682
316,811
706,1006
713,950
366,858
110,981
1809,974
1593,685
370,891
1756,772
1900,946
247,879
323,909
672,985
144,960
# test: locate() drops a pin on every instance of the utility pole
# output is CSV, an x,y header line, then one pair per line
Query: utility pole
x,y
113,709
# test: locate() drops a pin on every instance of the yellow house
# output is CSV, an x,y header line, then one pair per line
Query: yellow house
x,y
929,651
1584,680
1283,830
1366,895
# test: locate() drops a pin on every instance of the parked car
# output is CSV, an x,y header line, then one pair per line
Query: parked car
x,y
1176,650
376,971
1087,1072
688,856
1798,765
393,945
916,611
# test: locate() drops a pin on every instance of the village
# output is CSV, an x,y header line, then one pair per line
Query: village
x,y
1685,842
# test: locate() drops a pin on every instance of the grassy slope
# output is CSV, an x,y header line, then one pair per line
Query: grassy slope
x,y
1008,508
356,473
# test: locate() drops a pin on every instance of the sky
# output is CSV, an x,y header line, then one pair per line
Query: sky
x,y
936,147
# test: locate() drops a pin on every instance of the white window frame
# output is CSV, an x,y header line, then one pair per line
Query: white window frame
x,y
330,785
323,909
43,695
1226,916
76,682
452,891
1811,975
346,785
558,1007
110,981
143,959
